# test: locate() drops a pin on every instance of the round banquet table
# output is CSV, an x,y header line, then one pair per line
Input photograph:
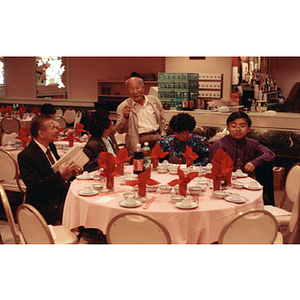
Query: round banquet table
x,y
201,225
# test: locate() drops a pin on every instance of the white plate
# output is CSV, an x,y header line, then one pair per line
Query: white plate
x,y
258,187
84,178
242,199
244,175
83,193
124,204
193,205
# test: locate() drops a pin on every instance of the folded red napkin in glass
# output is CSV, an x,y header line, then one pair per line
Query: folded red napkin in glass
x,y
79,128
189,154
107,163
222,165
24,136
122,156
156,152
21,112
3,111
71,138
35,110
9,110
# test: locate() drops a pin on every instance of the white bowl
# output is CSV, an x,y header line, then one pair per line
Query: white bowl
x,y
135,188
151,188
220,194
165,189
195,190
162,170
185,171
98,186
177,198
173,171
238,184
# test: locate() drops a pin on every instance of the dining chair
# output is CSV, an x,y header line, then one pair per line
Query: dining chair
x,y
61,121
120,138
9,174
8,136
77,118
35,229
292,191
10,218
255,226
59,112
136,228
10,124
70,115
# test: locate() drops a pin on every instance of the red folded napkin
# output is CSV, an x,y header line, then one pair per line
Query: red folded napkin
x,y
3,111
143,179
9,110
24,136
35,110
70,137
122,156
79,128
190,156
107,163
222,166
156,152
183,180
21,112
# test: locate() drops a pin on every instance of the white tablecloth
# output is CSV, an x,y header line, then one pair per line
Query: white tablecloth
x,y
200,225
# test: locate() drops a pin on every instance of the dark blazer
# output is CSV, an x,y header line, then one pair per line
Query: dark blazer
x,y
93,148
46,190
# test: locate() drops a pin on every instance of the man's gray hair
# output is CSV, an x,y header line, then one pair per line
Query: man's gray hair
x,y
139,78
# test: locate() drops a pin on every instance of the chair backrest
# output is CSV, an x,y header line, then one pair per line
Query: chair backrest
x,y
10,218
256,226
78,117
33,226
61,121
136,228
9,169
292,189
59,112
10,124
8,136
70,115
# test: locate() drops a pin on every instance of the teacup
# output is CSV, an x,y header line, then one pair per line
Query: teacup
x,y
235,197
85,175
253,184
129,195
96,176
87,190
186,202
130,200
239,172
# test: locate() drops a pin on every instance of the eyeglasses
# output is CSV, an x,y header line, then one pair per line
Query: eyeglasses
x,y
138,88
235,126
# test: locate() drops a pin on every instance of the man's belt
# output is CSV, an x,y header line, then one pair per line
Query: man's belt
x,y
149,133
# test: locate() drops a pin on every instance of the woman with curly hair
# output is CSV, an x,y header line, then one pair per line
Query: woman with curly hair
x,y
183,124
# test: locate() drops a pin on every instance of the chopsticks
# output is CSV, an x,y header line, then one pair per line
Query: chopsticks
x,y
196,199
149,202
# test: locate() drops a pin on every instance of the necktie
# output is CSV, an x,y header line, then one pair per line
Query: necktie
x,y
50,156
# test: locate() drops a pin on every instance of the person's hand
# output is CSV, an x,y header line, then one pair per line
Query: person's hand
x,y
66,168
77,170
126,111
249,167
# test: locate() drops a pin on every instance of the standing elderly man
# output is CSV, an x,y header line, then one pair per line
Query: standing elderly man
x,y
46,189
140,117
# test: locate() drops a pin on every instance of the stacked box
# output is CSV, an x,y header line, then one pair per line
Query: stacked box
x,y
172,87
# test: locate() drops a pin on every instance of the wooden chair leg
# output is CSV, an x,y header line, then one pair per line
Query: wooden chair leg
x,y
1,241
282,199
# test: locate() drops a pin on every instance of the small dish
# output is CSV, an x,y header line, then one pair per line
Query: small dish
x,y
136,204
254,188
86,192
179,205
238,184
98,186
231,199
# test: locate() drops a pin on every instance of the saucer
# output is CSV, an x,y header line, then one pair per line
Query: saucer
x,y
136,204
84,178
244,175
92,193
10,148
258,187
241,200
193,205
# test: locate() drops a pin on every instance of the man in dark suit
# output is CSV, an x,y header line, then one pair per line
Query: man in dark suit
x,y
46,189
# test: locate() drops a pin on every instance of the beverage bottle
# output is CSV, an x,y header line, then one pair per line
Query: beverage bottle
x,y
185,102
138,160
178,101
147,156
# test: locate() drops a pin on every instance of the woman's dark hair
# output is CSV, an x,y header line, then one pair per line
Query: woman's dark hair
x,y
237,115
38,123
97,121
292,102
182,122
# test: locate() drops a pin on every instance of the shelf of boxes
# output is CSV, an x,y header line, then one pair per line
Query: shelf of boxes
x,y
210,86
173,85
